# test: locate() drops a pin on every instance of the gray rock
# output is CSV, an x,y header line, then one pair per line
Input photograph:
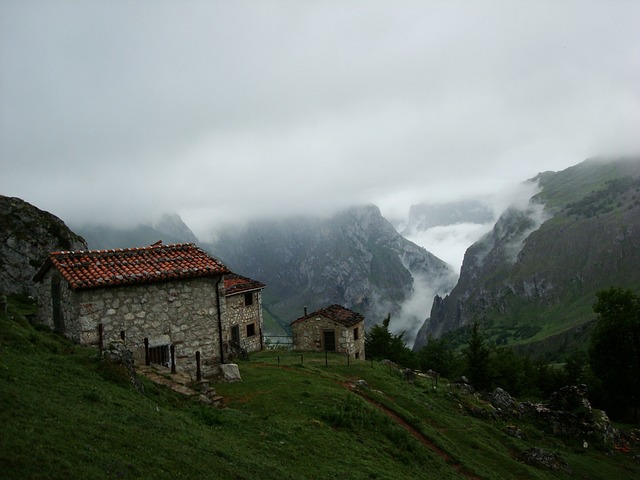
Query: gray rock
x,y
230,372
27,236
541,458
409,375
361,384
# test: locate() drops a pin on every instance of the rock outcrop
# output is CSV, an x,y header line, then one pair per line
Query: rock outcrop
x,y
27,236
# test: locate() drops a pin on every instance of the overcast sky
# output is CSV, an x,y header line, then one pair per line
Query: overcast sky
x,y
123,110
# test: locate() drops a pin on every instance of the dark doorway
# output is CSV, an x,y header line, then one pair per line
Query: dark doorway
x,y
329,340
58,322
235,335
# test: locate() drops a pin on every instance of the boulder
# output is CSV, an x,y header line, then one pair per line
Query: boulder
x,y
541,458
119,356
409,375
230,372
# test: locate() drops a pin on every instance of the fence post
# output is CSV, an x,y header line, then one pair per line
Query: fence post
x,y
348,360
301,359
147,360
326,359
198,372
278,359
173,358
100,336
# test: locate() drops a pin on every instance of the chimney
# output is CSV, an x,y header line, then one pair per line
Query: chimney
x,y
305,311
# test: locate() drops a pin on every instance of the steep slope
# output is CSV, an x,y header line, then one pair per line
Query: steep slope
x,y
355,258
27,236
533,278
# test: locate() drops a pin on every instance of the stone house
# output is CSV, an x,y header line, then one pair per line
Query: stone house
x,y
242,327
166,302
333,329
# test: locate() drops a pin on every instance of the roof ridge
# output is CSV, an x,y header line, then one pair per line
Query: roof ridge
x,y
125,250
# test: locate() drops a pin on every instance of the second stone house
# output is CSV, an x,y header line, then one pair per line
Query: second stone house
x,y
332,329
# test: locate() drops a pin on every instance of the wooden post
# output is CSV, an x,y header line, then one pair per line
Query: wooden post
x,y
348,360
147,360
326,358
198,372
278,359
173,358
100,336
301,359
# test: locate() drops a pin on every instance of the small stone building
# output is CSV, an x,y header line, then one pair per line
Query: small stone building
x,y
243,324
166,302
333,329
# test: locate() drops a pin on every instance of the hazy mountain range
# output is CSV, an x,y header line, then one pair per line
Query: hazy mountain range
x,y
530,281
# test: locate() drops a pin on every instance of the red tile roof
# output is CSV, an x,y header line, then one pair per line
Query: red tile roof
x,y
339,314
156,263
234,283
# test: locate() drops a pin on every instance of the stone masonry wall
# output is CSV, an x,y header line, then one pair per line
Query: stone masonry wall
x,y
183,313
237,313
309,335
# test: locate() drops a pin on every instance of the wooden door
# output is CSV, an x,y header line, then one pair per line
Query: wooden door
x,y
329,341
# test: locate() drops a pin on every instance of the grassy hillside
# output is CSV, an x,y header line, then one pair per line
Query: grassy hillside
x,y
66,415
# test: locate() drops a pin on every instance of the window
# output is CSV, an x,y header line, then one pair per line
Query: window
x,y
251,330
356,334
248,299
159,355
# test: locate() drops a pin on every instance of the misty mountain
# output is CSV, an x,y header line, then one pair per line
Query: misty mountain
x,y
169,229
423,216
532,280
355,258
172,225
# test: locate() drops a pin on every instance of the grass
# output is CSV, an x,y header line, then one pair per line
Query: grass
x,y
64,415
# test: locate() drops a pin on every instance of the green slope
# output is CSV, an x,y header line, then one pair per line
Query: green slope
x,y
65,416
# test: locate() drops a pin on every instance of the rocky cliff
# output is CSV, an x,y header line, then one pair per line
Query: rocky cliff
x,y
27,236
355,258
532,280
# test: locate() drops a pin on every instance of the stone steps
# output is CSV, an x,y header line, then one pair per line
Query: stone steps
x,y
181,383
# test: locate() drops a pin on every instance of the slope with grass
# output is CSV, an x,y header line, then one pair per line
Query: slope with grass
x,y
294,416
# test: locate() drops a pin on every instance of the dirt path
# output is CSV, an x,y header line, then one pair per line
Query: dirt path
x,y
428,443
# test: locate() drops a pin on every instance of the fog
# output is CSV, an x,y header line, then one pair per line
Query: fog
x,y
228,111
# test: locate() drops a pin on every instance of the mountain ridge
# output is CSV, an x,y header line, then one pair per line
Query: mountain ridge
x,y
533,278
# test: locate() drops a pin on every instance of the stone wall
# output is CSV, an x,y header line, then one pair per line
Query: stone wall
x,y
243,315
182,313
309,335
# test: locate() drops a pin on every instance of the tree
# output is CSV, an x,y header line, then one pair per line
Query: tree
x,y
478,358
436,355
380,343
614,352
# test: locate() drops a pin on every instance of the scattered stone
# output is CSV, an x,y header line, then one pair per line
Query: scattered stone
x,y
409,375
504,403
117,354
462,386
361,384
513,431
230,372
538,457
572,399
